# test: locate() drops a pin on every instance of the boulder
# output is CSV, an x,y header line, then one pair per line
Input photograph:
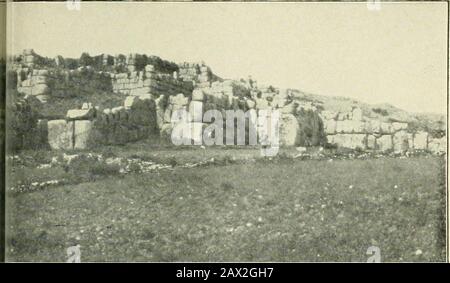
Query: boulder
x,y
60,134
350,126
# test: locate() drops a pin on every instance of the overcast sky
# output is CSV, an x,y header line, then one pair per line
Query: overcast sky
x,y
396,55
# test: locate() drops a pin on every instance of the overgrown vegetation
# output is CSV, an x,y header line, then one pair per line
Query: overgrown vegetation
x,y
382,112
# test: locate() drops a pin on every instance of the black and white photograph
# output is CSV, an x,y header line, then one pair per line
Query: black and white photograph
x,y
225,132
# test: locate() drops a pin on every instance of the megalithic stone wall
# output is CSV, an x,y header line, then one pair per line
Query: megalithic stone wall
x,y
232,95
89,126
149,82
352,130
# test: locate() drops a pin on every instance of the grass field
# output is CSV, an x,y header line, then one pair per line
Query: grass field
x,y
267,210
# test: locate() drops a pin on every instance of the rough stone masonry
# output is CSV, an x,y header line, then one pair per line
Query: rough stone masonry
x,y
153,93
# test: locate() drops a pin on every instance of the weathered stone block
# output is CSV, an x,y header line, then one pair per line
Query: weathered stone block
x,y
329,126
179,99
196,111
386,128
80,114
40,89
421,140
371,142
198,95
83,134
357,114
401,141
397,126
384,143
438,145
60,134
289,130
328,115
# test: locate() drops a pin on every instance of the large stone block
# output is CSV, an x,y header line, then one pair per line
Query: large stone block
x,y
384,143
357,114
401,141
328,115
386,128
438,145
421,140
373,126
60,134
397,126
329,126
350,126
40,89
352,141
198,95
80,114
371,142
83,135
179,99
289,130
196,111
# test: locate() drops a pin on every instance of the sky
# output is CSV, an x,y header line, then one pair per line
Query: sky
x,y
396,55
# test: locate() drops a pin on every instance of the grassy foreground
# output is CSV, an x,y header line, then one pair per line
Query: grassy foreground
x,y
283,210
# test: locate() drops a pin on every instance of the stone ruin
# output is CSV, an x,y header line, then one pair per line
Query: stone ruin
x,y
152,94
353,130
89,126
